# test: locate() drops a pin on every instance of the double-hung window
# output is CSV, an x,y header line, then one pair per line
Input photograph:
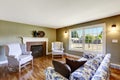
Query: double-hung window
x,y
89,38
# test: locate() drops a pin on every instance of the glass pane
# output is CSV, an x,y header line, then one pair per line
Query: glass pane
x,y
93,39
100,29
87,31
94,30
77,39
74,34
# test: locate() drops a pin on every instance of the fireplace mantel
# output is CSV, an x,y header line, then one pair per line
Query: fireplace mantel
x,y
36,39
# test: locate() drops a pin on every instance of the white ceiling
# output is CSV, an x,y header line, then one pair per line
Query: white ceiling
x,y
57,13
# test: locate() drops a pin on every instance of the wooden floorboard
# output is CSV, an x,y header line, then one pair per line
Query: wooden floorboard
x,y
40,64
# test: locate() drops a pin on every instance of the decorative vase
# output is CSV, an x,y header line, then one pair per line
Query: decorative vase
x,y
35,34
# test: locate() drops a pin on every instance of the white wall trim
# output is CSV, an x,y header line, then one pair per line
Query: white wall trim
x,y
3,62
116,66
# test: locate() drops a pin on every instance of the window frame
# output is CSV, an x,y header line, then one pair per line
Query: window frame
x,y
83,29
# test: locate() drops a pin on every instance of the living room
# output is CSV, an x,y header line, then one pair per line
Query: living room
x,y
59,21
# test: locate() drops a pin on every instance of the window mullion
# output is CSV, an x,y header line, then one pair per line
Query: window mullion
x,y
83,33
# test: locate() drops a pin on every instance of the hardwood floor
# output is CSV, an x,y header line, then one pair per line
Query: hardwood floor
x,y
40,64
115,74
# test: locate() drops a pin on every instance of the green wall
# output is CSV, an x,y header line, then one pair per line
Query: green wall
x,y
113,48
11,32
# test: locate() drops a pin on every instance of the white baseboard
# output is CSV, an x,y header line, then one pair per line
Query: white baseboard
x,y
3,62
49,53
116,66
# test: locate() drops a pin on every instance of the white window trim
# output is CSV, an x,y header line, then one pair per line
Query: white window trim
x,y
91,26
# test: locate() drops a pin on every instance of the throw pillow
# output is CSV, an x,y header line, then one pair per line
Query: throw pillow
x,y
89,55
23,48
74,64
62,68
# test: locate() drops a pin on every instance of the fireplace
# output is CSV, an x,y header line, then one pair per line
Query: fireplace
x,y
38,48
36,41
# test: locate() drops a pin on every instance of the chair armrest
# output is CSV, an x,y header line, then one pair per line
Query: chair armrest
x,y
27,53
12,56
51,74
62,48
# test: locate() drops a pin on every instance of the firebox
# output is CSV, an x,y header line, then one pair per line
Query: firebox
x,y
37,50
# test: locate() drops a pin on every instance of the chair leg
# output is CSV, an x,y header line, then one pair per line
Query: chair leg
x,y
52,56
19,68
32,64
19,72
62,55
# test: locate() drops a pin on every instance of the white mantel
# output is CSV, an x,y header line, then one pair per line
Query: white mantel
x,y
36,39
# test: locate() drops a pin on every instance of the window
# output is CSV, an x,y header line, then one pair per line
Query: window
x,y
89,38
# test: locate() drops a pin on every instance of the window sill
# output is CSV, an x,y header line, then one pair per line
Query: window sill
x,y
78,50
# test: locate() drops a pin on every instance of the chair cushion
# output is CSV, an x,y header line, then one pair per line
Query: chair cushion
x,y
89,55
58,51
74,64
25,58
62,68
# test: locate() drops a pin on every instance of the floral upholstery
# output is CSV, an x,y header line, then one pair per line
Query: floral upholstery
x,y
81,74
89,55
94,69
88,70
52,75
102,72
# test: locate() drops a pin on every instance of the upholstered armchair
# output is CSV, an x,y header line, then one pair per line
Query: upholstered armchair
x,y
57,49
17,56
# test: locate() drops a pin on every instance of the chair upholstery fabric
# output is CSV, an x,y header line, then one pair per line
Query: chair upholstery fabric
x,y
14,49
90,68
57,49
17,55
23,48
51,74
25,58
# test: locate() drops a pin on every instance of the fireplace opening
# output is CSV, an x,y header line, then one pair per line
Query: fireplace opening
x,y
37,50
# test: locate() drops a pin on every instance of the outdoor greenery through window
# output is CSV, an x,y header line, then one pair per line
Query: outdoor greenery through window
x,y
90,38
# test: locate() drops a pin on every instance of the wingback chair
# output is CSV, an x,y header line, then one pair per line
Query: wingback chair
x,y
17,56
57,49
